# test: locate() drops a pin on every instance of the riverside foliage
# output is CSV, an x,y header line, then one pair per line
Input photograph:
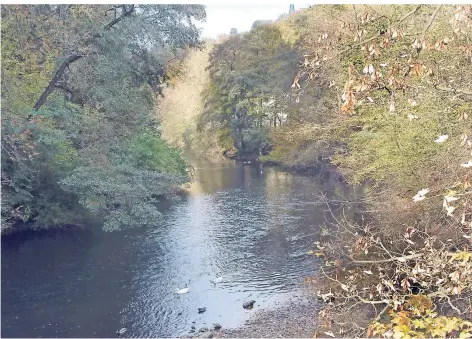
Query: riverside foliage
x,y
382,93
79,89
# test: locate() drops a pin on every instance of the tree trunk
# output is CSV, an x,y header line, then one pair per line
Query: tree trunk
x,y
76,56
52,84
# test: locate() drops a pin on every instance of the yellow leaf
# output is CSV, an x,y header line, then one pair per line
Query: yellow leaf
x,y
419,323
401,331
438,332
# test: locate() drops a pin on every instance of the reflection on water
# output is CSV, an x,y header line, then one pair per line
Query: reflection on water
x,y
253,228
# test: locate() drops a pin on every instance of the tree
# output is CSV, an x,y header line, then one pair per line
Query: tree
x,y
233,31
396,81
260,23
247,72
94,72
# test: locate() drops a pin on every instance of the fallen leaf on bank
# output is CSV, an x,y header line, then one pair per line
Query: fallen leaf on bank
x,y
441,138
421,194
450,198
467,164
450,210
419,197
423,191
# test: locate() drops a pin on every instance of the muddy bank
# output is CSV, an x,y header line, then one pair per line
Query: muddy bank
x,y
294,319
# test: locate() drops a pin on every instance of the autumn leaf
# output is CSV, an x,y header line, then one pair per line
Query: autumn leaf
x,y
441,138
467,164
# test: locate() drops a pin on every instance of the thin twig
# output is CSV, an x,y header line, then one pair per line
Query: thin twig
x,y
379,34
401,259
430,22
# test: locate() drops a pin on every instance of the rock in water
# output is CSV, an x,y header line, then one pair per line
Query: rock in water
x,y
249,304
201,309
203,329
206,335
121,330
217,326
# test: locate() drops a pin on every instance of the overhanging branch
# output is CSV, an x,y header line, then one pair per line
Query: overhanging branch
x,y
127,11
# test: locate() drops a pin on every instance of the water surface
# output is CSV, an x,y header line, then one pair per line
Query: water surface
x,y
253,228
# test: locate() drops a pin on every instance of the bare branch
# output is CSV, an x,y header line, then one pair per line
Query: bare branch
x,y
400,259
430,22
407,15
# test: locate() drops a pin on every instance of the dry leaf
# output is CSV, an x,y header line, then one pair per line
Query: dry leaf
x,y
441,138
467,164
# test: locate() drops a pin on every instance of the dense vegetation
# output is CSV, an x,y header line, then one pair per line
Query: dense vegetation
x,y
382,93
80,141
250,77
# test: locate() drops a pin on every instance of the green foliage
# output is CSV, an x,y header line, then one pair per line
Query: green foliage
x,y
250,76
150,152
225,138
27,58
122,195
92,150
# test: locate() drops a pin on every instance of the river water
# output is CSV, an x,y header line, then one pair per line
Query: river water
x,y
253,228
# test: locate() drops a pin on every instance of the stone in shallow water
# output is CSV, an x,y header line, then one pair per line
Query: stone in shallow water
x,y
249,304
201,309
203,329
217,326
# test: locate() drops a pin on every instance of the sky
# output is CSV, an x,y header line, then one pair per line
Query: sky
x,y
221,17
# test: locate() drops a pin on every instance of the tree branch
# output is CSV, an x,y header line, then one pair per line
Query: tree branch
x,y
379,34
63,87
76,56
126,12
448,89
52,84
430,22
401,259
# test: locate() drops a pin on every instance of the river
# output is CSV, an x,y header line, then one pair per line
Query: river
x,y
253,228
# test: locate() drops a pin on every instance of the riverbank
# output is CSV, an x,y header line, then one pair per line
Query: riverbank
x,y
294,319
